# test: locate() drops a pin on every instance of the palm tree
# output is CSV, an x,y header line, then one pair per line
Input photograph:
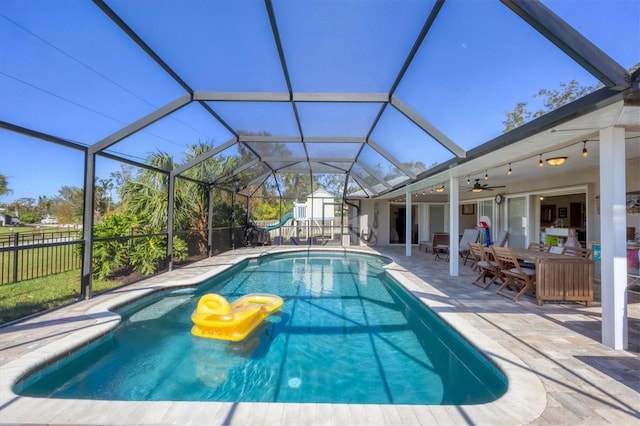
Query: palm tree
x,y
146,196
45,202
3,185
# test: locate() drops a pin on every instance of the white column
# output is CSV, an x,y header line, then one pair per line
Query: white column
x,y
454,226
613,237
407,224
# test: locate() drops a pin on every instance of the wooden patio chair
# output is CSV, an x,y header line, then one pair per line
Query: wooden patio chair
x,y
488,268
535,246
515,276
584,253
539,247
441,251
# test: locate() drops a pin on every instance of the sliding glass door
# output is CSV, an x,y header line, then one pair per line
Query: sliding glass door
x,y
517,221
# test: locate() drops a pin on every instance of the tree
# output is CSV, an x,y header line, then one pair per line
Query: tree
x,y
25,209
69,204
44,205
198,195
552,99
103,196
517,117
146,195
4,189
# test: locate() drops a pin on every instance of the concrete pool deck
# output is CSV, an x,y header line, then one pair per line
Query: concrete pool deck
x,y
559,372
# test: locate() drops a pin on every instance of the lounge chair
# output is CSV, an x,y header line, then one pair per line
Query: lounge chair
x,y
295,241
501,239
470,235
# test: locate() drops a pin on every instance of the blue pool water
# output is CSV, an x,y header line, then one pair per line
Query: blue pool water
x,y
346,333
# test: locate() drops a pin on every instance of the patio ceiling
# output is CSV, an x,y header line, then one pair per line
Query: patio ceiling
x,y
372,92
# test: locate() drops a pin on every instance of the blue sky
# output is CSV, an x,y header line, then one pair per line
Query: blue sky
x,y
67,71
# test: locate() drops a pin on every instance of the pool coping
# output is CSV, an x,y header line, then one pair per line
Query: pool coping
x,y
523,402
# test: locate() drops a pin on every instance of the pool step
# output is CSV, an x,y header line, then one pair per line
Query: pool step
x,y
159,308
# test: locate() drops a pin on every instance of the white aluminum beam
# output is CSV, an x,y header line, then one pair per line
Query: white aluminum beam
x,y
331,160
341,97
334,166
280,159
454,226
245,167
275,169
407,224
374,174
296,97
286,139
364,185
427,127
260,179
269,139
236,171
613,217
242,96
338,139
392,159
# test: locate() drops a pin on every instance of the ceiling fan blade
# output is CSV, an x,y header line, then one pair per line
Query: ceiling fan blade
x,y
477,187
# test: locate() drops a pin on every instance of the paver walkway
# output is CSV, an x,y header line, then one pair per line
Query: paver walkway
x,y
585,381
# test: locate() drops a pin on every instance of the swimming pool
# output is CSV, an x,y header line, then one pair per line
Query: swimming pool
x,y
346,333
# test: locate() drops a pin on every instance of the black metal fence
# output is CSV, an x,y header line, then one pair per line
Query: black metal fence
x,y
28,255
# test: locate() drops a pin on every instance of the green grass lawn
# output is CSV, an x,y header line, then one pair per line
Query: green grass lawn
x,y
40,286
39,262
8,229
24,298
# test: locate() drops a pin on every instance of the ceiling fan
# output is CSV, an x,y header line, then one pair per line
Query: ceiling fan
x,y
477,187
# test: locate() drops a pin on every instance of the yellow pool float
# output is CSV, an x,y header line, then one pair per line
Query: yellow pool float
x,y
216,318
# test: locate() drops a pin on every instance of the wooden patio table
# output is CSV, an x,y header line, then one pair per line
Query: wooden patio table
x,y
533,255
560,277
